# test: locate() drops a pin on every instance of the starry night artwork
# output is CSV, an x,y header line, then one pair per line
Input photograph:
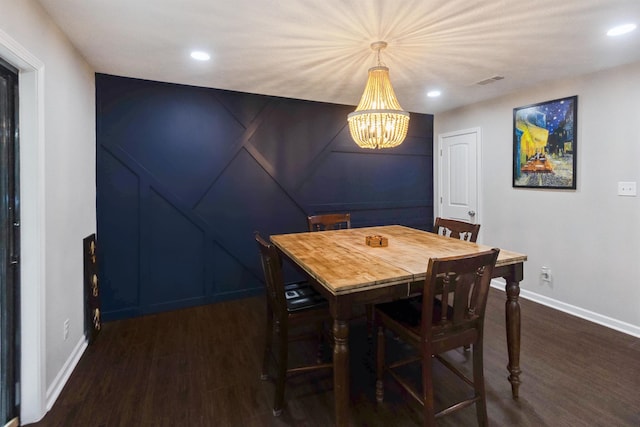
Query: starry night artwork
x,y
545,143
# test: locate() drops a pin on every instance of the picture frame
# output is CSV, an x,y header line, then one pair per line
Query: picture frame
x,y
545,144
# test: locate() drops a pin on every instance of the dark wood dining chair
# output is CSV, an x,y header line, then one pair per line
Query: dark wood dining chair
x,y
290,308
331,221
462,282
456,229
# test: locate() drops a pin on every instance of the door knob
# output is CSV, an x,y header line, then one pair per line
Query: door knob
x,y
472,213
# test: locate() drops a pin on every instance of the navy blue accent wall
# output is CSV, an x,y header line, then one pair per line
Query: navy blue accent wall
x,y
186,174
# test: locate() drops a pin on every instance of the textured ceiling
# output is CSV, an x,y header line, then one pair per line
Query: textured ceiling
x,y
319,50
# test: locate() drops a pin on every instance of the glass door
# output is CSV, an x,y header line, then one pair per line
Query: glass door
x,y
9,244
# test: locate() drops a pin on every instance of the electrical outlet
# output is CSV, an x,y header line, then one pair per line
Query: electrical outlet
x,y
66,329
626,189
545,274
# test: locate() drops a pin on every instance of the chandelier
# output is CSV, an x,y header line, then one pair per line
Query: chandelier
x,y
378,121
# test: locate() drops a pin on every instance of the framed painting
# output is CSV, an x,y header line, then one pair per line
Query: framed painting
x,y
545,144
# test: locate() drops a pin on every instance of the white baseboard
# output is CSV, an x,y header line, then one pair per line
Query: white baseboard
x,y
63,376
591,316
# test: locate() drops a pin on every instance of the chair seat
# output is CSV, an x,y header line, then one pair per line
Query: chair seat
x,y
301,296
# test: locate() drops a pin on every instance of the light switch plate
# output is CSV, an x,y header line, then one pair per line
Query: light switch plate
x,y
626,188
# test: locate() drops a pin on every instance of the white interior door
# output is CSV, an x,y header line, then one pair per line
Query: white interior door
x,y
459,175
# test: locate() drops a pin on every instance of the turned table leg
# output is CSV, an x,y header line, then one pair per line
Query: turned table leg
x,y
512,312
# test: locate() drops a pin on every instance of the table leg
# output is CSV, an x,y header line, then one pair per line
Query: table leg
x,y
341,371
512,312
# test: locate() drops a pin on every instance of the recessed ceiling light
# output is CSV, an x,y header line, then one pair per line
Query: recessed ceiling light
x,y
434,93
621,29
200,56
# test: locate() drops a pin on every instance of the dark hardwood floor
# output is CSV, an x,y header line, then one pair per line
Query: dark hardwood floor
x,y
201,367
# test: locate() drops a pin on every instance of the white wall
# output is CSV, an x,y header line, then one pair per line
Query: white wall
x,y
58,195
590,237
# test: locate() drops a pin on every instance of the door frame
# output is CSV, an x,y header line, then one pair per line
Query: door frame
x,y
441,169
11,246
33,405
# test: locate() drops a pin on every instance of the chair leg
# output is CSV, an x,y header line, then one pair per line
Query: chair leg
x,y
282,333
267,346
427,389
478,382
380,366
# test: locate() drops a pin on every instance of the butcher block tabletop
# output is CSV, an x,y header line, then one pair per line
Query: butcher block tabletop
x,y
342,262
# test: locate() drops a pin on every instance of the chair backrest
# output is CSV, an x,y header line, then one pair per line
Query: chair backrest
x,y
461,284
456,229
273,278
333,221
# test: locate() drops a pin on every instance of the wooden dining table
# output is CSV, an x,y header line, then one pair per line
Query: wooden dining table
x,y
349,273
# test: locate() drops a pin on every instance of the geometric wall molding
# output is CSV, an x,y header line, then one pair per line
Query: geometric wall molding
x,y
186,174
